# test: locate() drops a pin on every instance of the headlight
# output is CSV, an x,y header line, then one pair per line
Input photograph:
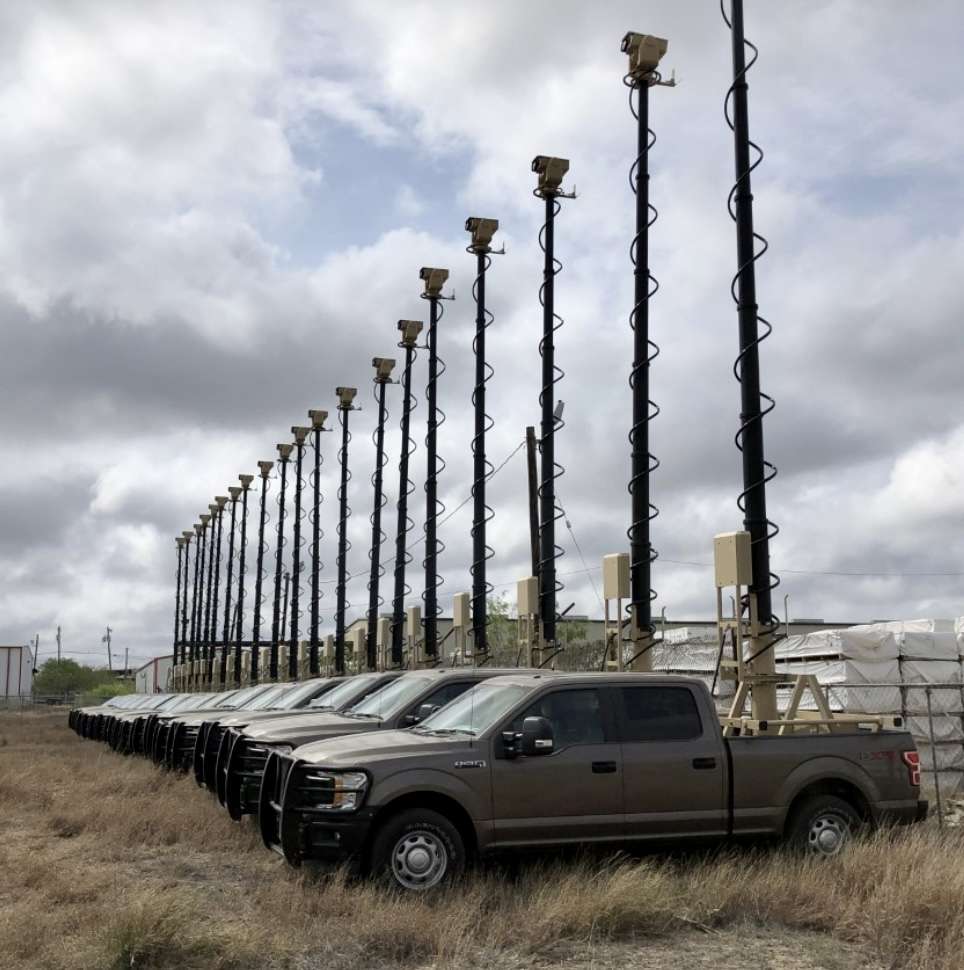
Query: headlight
x,y
335,791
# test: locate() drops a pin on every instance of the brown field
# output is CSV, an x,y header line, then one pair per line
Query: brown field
x,y
105,862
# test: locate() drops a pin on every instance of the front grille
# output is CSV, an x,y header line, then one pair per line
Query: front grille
x,y
211,747
159,748
182,747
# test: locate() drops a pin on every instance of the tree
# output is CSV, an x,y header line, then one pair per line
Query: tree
x,y
68,676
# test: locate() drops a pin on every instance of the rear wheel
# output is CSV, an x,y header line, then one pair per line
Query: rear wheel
x,y
417,850
823,826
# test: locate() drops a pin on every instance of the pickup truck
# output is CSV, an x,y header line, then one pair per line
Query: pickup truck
x,y
282,698
407,699
241,759
545,759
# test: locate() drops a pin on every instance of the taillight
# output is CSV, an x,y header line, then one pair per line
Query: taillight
x,y
912,760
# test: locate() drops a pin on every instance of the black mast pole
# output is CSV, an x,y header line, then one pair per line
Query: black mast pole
x,y
187,536
217,512
754,404
383,376
645,52
192,638
284,450
410,329
317,426
482,231
200,650
434,280
294,666
234,491
265,470
551,172
177,599
246,481
345,396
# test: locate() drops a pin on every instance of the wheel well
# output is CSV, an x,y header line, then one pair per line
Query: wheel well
x,y
442,804
846,790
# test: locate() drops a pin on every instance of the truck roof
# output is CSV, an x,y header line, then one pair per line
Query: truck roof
x,y
594,678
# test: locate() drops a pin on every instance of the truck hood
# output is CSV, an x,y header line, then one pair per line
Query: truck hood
x,y
300,729
190,713
238,719
368,749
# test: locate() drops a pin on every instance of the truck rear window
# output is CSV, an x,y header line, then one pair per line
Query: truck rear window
x,y
660,714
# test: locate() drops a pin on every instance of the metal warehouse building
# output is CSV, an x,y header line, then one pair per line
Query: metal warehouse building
x,y
16,671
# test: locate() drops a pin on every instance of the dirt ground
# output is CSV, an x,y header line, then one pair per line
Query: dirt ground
x,y
107,862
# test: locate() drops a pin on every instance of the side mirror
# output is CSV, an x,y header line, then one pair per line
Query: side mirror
x,y
536,736
424,711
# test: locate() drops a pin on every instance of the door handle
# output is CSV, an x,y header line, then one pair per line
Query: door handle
x,y
704,764
603,767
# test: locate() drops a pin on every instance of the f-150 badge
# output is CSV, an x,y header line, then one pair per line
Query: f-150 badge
x,y
469,764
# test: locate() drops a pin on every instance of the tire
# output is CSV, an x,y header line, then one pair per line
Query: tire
x,y
417,850
823,826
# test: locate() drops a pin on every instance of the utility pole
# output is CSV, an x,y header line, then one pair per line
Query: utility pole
x,y
106,639
58,643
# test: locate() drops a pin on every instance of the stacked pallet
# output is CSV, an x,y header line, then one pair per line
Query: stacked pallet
x,y
887,668
693,652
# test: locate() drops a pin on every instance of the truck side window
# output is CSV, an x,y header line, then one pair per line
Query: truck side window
x,y
444,694
575,715
660,714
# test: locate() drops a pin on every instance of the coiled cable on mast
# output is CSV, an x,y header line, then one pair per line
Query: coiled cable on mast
x,y
769,625
638,85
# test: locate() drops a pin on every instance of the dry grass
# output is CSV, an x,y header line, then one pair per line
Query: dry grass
x,y
109,863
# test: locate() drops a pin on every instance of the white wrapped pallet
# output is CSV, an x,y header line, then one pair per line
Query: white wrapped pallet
x,y
931,672
950,755
861,698
924,625
872,642
918,645
686,634
946,728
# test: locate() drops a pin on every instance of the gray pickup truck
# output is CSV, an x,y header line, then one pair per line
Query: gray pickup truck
x,y
538,760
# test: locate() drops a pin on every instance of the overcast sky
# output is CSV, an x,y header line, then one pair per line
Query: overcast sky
x,y
212,214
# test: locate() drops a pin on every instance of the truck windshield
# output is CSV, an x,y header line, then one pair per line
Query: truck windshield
x,y
302,693
344,692
389,700
475,711
271,698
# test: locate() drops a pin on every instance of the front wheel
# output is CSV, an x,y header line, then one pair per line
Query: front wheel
x,y
417,850
823,826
